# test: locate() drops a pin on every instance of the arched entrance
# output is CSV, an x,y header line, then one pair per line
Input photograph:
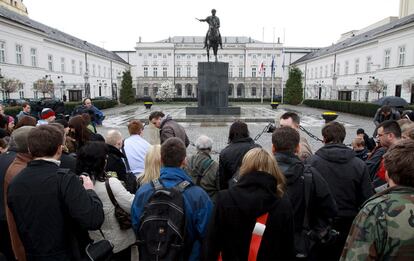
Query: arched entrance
x,y
179,90
240,90
189,90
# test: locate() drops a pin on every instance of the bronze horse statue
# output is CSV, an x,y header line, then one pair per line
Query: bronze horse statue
x,y
213,41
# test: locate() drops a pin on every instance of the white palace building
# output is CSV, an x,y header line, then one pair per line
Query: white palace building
x,y
176,59
379,55
30,51
365,64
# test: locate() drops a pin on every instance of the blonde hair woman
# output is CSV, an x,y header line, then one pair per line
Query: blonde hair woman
x,y
152,164
259,191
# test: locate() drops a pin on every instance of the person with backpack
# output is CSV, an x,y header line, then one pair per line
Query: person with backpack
x,y
202,168
91,160
253,220
347,178
313,204
170,214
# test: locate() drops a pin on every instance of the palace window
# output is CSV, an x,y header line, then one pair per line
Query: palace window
x,y
19,54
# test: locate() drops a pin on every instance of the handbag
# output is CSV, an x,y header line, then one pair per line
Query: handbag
x,y
101,250
123,217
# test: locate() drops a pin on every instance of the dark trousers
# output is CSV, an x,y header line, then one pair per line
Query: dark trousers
x,y
123,255
5,242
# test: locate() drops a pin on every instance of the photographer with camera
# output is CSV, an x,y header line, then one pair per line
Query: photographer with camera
x,y
51,208
313,204
292,120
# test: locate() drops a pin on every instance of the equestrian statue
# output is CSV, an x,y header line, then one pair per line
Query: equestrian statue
x,y
213,36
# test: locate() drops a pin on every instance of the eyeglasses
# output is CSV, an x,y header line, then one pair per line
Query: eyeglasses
x,y
382,134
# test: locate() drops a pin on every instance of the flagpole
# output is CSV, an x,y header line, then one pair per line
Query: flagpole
x,y
283,64
273,64
262,68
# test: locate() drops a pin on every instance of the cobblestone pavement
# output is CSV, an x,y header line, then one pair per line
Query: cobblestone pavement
x,y
257,117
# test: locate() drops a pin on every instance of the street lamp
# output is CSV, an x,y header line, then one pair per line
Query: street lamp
x,y
358,79
62,88
371,78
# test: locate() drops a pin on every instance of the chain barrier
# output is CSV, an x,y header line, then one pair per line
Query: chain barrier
x,y
309,134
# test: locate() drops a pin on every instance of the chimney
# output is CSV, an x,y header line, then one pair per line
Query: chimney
x,y
139,39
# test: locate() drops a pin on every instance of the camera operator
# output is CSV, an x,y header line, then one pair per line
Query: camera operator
x,y
292,120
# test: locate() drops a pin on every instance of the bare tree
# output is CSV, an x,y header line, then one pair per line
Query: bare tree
x,y
44,86
407,84
9,86
377,86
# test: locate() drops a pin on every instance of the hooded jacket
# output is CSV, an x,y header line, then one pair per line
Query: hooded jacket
x,y
234,217
231,158
322,207
346,175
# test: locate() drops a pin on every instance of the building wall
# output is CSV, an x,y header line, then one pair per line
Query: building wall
x,y
406,7
329,85
14,5
180,60
65,78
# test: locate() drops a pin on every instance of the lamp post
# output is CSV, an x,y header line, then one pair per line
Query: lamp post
x,y
87,86
62,88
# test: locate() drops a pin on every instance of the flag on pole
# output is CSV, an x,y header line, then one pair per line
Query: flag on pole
x,y
273,64
261,68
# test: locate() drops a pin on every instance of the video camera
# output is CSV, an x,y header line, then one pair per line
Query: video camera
x,y
270,128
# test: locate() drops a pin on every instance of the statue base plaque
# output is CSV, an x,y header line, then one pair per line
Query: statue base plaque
x,y
212,92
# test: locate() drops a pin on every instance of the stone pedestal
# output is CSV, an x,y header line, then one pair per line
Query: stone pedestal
x,y
212,92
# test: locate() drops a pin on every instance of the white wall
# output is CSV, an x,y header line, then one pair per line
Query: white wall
x,y
13,34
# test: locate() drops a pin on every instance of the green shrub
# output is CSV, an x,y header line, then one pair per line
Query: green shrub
x,y
100,104
12,111
127,94
294,90
359,108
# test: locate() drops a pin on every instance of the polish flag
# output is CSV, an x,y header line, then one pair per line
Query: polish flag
x,y
261,68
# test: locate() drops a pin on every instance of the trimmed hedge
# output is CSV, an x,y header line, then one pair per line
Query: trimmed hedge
x,y
193,99
100,104
359,108
12,111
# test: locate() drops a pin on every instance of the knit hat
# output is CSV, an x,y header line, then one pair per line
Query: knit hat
x,y
11,119
47,113
19,138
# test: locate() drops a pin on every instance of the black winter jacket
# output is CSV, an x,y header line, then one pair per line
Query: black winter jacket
x,y
346,175
234,217
48,207
116,164
231,158
322,207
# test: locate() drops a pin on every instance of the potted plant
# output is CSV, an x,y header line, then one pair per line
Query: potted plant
x,y
148,102
274,105
329,116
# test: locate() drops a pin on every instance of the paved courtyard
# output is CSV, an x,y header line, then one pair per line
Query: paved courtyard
x,y
257,117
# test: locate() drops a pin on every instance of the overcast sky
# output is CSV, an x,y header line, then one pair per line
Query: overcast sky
x,y
118,24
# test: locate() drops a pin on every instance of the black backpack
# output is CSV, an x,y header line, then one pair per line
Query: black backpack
x,y
161,235
308,238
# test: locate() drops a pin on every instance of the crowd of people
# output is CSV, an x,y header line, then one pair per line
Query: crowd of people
x,y
66,188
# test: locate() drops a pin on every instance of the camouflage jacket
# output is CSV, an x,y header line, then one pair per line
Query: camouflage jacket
x,y
384,228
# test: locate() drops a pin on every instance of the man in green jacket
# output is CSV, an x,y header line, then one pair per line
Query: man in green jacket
x,y
202,168
384,228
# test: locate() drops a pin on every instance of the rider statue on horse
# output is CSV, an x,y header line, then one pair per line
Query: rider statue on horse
x,y
213,36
